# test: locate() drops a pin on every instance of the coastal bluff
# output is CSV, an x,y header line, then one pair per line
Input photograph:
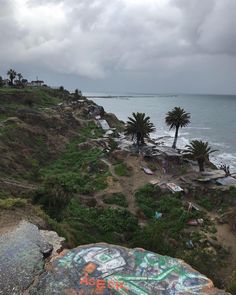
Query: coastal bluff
x,y
68,166
90,269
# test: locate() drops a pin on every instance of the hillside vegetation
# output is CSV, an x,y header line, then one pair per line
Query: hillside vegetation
x,y
57,165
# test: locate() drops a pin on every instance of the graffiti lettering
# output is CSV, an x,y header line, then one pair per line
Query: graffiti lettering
x,y
102,284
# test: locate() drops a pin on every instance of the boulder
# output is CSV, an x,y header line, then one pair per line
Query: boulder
x,y
108,269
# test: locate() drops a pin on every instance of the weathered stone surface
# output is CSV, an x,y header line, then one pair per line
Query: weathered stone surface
x,y
108,269
52,238
22,250
20,258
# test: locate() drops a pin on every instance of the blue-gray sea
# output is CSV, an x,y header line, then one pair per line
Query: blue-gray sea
x,y
213,118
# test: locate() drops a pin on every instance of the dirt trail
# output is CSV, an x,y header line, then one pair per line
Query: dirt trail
x,y
127,185
14,183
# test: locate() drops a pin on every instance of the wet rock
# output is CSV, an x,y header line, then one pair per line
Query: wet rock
x,y
109,269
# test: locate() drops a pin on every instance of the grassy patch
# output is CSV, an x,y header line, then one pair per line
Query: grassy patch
x,y
97,225
147,199
3,117
81,170
29,97
205,262
156,236
117,199
11,203
75,171
122,169
91,131
206,203
5,131
232,191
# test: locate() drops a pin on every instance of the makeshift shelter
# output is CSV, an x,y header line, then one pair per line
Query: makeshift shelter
x,y
227,181
211,175
174,188
104,125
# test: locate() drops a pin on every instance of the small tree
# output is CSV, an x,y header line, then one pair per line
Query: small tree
x,y
77,93
199,151
12,75
24,82
20,77
226,169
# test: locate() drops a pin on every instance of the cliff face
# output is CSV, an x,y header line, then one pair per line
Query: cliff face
x,y
90,269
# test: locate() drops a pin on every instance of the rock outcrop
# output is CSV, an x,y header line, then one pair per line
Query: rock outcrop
x,y
109,269
22,252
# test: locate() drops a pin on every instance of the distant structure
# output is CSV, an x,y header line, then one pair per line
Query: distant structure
x,y
36,83
5,82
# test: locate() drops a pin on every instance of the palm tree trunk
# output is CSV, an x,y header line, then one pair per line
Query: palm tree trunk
x,y
138,138
176,137
142,140
201,165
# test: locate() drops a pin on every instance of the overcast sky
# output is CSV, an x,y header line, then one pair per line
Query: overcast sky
x,y
186,46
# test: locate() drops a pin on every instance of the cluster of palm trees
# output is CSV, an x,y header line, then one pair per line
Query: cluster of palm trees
x,y
12,74
139,127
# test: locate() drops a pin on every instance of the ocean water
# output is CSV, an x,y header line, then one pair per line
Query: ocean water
x,y
213,118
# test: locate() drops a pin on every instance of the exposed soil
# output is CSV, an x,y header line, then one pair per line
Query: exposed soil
x,y
227,238
126,185
9,219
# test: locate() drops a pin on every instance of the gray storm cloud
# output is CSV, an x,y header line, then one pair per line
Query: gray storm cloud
x,y
99,39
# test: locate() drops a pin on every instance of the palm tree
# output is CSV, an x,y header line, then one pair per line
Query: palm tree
x,y
1,81
12,75
139,126
200,152
20,77
177,118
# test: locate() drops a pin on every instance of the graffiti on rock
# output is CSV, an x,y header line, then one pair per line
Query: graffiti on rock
x,y
105,269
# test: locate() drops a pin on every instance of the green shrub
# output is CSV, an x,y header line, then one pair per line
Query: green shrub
x,y
11,203
205,203
147,199
99,225
117,199
121,169
80,170
205,262
112,144
91,130
232,191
